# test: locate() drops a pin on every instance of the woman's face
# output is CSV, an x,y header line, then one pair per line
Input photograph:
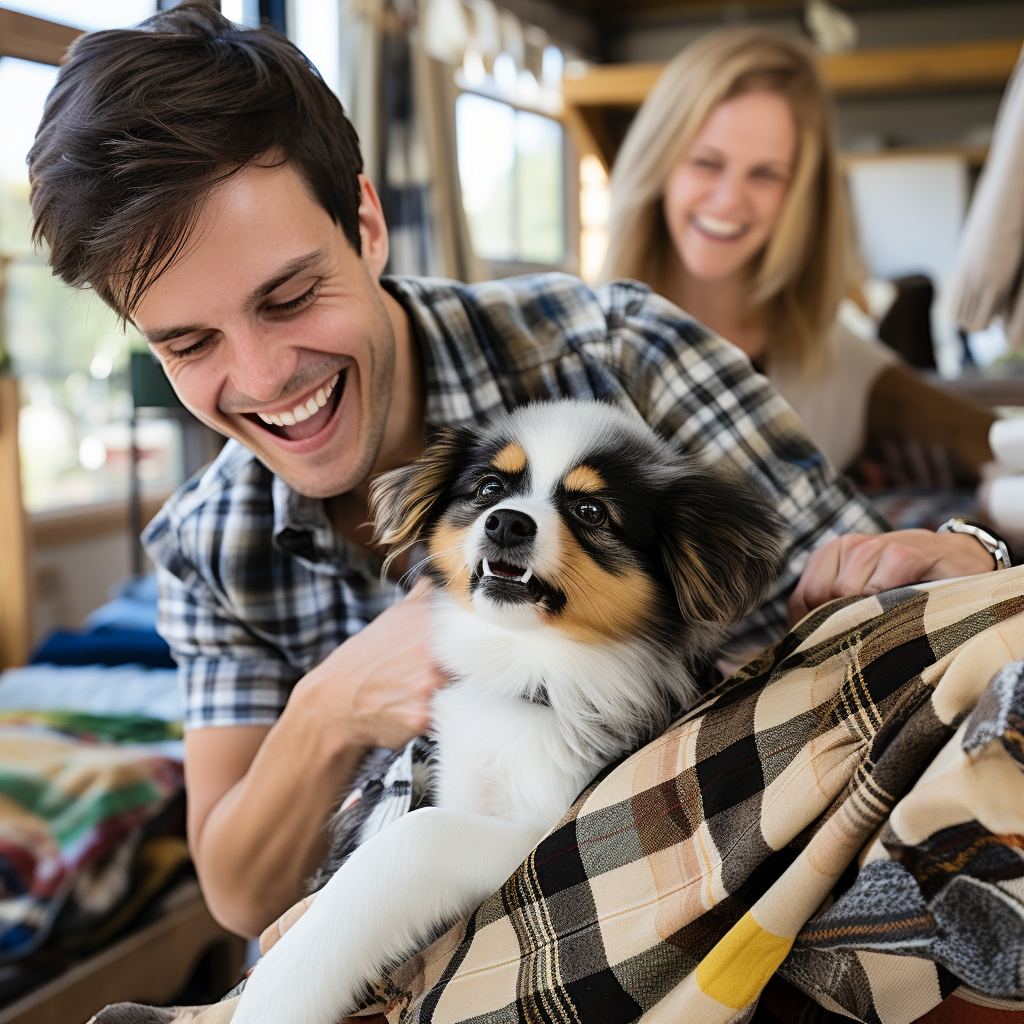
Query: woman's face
x,y
724,195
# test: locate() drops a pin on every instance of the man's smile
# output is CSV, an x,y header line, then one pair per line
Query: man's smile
x,y
302,420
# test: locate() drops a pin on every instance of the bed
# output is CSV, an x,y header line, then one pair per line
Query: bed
x,y
98,901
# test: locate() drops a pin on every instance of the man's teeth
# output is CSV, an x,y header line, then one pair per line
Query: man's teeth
x,y
525,578
303,412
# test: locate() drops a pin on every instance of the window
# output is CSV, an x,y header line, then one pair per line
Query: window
x,y
512,173
67,348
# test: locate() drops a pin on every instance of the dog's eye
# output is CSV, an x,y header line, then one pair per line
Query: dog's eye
x,y
490,487
591,512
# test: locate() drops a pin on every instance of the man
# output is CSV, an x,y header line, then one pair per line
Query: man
x,y
207,184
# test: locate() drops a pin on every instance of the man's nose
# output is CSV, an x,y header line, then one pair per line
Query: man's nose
x,y
260,366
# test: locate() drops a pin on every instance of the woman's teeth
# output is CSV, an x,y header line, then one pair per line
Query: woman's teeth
x,y
718,228
303,412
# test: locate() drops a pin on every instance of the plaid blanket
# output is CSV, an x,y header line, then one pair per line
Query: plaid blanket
x,y
848,811
76,792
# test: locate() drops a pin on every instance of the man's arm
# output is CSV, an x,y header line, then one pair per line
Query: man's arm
x,y
258,796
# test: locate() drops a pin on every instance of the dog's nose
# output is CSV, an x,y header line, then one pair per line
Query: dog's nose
x,y
509,528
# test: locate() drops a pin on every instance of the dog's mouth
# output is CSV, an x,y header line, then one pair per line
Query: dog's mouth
x,y
506,582
505,571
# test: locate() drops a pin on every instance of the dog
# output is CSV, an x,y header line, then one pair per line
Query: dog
x,y
582,568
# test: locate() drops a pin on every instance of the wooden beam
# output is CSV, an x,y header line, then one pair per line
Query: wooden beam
x,y
15,597
612,85
36,39
984,64
987,63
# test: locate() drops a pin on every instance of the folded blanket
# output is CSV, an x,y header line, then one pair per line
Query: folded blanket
x,y
73,809
847,811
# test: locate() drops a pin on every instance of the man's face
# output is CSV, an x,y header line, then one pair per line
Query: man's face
x,y
274,331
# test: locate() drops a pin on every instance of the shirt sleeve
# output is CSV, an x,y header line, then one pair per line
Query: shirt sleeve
x,y
701,392
228,675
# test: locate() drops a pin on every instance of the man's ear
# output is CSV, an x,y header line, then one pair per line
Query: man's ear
x,y
721,545
373,229
401,501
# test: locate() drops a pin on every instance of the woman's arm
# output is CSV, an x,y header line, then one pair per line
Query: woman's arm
x,y
903,406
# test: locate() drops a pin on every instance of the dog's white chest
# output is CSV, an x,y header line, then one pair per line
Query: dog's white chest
x,y
504,758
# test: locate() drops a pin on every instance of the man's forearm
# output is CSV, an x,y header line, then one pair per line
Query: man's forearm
x,y
260,842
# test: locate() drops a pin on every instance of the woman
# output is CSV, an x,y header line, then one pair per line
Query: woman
x,y
727,199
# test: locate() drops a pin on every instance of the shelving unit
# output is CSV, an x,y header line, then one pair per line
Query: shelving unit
x,y
598,101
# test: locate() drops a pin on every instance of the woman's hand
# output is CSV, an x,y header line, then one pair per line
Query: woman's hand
x,y
861,564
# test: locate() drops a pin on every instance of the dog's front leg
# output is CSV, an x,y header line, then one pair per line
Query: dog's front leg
x,y
428,868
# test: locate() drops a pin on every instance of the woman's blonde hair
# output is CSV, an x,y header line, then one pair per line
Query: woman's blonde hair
x,y
802,272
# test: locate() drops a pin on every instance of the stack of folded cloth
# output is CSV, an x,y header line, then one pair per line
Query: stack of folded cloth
x,y
1001,495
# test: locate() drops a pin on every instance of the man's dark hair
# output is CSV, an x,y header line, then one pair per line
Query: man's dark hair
x,y
144,122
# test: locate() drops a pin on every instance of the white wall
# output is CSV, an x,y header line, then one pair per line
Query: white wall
x,y
73,579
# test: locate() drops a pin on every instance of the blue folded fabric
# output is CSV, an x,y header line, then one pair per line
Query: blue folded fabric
x,y
104,646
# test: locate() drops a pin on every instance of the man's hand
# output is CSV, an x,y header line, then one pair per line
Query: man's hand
x,y
258,797
377,685
860,564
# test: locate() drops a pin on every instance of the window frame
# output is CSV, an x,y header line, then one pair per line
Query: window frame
x,y
570,262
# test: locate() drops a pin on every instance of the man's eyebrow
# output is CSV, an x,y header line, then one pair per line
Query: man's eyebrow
x,y
288,271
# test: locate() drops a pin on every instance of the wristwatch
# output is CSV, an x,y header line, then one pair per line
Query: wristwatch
x,y
984,535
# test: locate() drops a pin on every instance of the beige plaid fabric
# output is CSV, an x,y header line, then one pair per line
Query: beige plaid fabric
x,y
848,811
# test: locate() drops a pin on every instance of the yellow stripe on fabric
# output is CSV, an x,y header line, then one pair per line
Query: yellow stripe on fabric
x,y
739,966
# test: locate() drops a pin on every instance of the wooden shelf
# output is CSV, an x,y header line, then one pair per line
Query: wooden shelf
x,y
599,102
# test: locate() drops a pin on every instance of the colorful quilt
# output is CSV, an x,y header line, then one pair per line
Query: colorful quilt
x,y
76,794
848,811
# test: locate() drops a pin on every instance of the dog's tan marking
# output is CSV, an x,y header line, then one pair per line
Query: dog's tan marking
x,y
511,458
585,479
600,605
446,553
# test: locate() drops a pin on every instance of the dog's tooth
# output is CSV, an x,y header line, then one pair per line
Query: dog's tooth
x,y
525,578
265,418
487,569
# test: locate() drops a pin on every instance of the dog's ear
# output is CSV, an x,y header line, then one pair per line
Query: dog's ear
x,y
721,544
402,500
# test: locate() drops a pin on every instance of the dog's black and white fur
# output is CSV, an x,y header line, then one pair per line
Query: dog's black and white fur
x,y
581,566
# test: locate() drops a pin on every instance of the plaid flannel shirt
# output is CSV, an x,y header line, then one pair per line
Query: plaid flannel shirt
x,y
256,588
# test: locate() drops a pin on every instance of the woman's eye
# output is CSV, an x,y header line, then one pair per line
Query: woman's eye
x,y
591,512
492,487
